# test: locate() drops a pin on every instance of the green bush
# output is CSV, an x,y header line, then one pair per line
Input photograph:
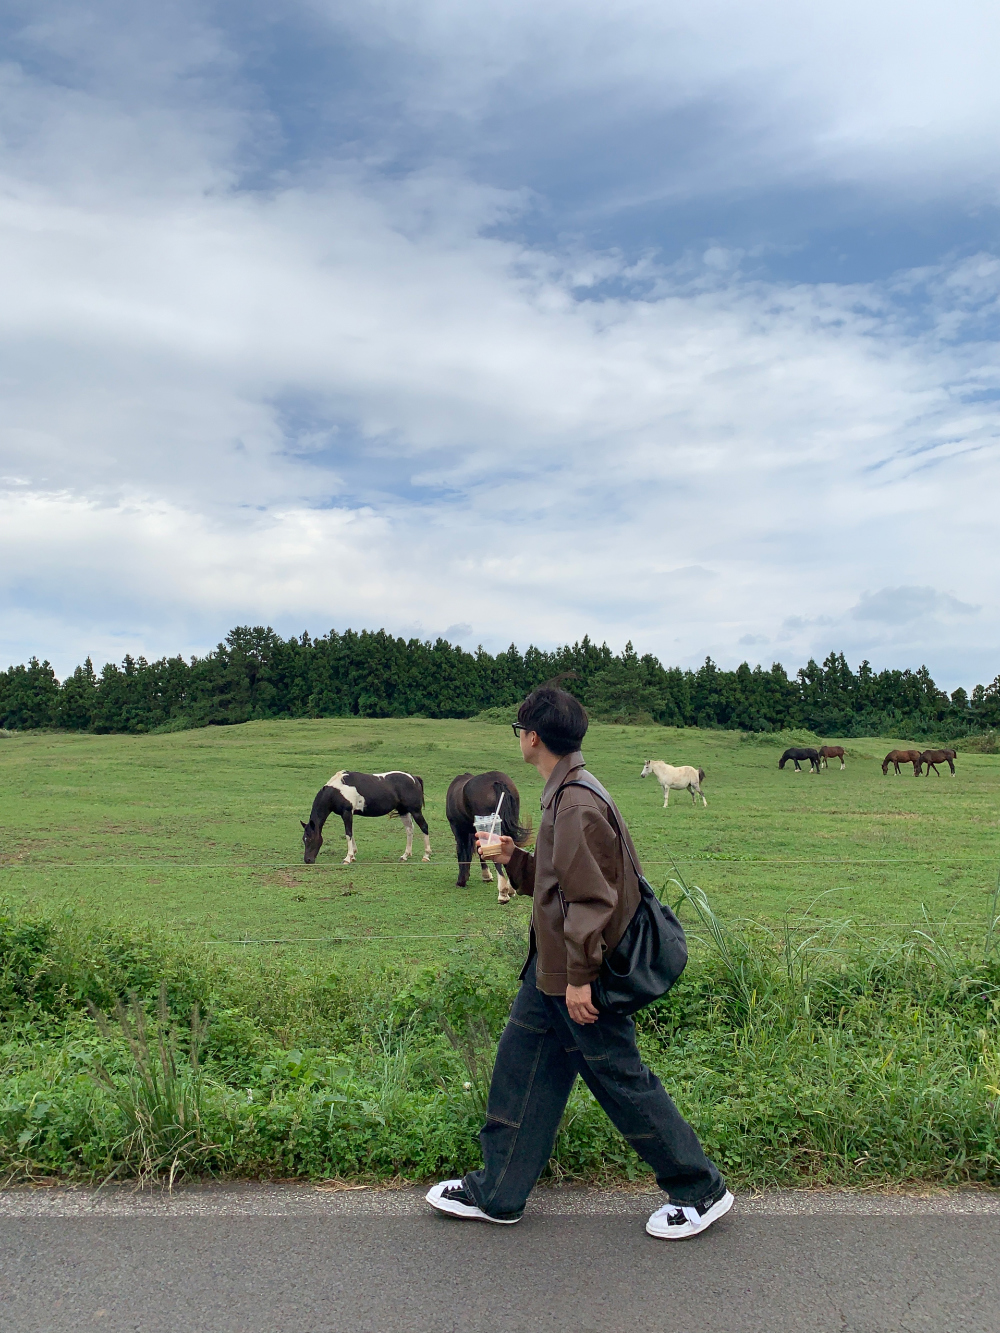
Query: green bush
x,y
800,1056
497,716
781,740
987,743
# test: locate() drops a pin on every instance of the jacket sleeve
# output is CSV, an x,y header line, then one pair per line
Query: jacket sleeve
x,y
584,843
521,872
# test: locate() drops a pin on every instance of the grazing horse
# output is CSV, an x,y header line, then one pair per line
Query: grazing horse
x,y
795,755
934,757
479,794
676,779
831,752
348,794
897,757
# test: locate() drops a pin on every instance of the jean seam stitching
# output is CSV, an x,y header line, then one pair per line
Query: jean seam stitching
x,y
527,1094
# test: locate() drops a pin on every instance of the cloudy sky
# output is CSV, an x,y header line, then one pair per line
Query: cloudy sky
x,y
503,321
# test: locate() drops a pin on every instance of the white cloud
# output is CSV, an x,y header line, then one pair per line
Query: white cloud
x,y
862,90
901,606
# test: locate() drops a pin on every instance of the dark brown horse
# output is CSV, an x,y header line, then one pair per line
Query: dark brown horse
x,y
796,753
934,757
831,752
897,757
479,794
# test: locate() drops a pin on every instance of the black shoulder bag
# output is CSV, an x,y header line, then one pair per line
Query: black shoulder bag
x,y
651,954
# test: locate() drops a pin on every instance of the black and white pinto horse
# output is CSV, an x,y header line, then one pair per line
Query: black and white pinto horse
x,y
370,794
479,794
795,754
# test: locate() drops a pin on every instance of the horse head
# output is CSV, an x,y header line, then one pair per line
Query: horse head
x,y
647,768
312,841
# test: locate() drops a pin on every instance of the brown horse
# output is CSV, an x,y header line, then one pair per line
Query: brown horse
x,y
479,794
897,757
934,757
831,752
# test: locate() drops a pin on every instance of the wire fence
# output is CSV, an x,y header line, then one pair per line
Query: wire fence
x,y
693,858
244,941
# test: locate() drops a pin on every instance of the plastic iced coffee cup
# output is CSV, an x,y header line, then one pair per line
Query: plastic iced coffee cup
x,y
488,828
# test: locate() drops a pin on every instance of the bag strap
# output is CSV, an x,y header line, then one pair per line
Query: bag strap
x,y
598,790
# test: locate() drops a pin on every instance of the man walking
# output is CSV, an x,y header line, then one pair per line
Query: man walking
x,y
585,891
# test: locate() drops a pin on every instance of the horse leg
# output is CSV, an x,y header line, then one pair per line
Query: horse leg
x,y
487,872
796,763
408,825
505,890
422,826
666,797
704,799
951,765
463,846
842,764
352,848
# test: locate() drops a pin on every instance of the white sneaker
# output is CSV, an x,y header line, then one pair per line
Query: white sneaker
x,y
453,1198
676,1221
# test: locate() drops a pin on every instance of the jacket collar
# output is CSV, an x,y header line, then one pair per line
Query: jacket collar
x,y
566,766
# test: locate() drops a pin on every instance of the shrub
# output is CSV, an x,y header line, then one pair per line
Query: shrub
x,y
987,743
781,740
802,1056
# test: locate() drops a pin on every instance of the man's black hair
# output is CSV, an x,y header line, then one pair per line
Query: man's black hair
x,y
560,719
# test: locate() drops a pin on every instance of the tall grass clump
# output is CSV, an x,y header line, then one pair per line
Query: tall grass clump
x,y
807,1053
161,1094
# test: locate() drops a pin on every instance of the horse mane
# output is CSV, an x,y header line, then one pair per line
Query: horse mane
x,y
323,803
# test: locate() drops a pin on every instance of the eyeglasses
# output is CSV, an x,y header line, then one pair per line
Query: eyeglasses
x,y
518,727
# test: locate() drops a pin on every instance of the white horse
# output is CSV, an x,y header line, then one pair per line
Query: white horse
x,y
676,779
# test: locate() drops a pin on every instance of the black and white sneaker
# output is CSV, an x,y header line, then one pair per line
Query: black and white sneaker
x,y
453,1198
676,1221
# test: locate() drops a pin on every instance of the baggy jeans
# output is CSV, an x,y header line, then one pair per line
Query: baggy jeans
x,y
539,1056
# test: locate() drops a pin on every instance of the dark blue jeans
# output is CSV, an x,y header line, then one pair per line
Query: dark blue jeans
x,y
540,1054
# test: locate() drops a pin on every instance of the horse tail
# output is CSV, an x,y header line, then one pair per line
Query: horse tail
x,y
421,782
510,816
701,776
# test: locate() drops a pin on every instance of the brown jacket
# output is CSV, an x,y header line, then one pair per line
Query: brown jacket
x,y
579,852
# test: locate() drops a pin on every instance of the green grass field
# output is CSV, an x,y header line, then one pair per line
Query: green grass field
x,y
863,1056
199,831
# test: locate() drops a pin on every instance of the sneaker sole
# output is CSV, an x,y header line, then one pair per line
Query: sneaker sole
x,y
714,1213
468,1214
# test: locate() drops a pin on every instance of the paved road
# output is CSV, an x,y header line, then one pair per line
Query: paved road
x,y
294,1260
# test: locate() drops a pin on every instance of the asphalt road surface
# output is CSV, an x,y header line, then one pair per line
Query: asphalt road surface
x,y
291,1259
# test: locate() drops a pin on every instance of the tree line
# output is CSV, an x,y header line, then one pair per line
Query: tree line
x,y
255,674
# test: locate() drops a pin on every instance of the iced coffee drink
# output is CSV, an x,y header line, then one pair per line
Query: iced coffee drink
x,y
488,828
